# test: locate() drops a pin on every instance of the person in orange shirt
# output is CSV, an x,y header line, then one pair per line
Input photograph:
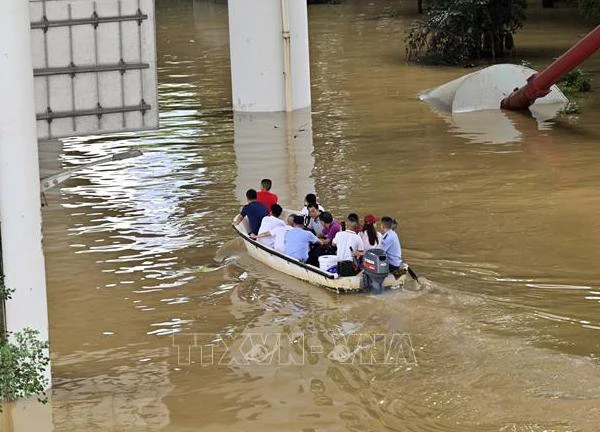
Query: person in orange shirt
x,y
265,196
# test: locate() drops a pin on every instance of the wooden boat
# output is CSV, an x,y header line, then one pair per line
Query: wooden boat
x,y
307,272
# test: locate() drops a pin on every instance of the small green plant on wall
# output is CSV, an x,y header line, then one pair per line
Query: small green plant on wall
x,y
5,293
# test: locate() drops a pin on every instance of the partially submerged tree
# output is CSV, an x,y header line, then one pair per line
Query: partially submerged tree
x,y
456,31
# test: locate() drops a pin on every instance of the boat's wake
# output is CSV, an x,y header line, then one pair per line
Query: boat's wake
x,y
230,251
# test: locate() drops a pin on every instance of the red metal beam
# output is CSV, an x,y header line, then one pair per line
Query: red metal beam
x,y
538,85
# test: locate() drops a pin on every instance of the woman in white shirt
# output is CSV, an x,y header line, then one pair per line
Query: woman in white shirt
x,y
370,237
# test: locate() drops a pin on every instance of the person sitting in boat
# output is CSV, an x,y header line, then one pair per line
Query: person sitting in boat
x,y
348,243
310,198
298,240
280,232
356,226
265,196
254,211
312,221
268,225
330,227
369,235
390,243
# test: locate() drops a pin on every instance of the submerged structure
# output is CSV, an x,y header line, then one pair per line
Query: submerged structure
x,y
513,87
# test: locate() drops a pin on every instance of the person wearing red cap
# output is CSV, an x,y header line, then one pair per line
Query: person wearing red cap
x,y
369,235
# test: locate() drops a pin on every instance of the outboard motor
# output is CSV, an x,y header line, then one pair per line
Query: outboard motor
x,y
375,270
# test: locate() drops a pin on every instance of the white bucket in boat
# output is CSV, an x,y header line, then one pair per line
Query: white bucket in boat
x,y
328,263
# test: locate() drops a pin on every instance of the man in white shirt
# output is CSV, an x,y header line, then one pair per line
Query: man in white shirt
x,y
268,225
348,242
279,234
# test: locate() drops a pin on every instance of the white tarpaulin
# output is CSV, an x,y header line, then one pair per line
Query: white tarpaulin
x,y
485,89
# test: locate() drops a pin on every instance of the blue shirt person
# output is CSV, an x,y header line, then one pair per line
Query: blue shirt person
x,y
298,240
254,211
390,243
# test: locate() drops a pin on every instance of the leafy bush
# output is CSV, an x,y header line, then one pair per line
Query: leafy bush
x,y
575,82
5,292
23,360
570,108
590,9
22,364
455,31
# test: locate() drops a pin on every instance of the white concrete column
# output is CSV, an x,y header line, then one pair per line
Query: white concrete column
x,y
278,146
20,215
259,54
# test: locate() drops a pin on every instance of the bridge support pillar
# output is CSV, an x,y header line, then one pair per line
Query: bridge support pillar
x,y
20,215
268,42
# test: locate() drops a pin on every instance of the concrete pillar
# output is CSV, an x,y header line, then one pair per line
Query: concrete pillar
x,y
268,41
26,415
20,215
268,146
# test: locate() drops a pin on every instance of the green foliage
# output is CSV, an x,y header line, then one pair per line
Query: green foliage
x,y
5,292
324,1
590,9
23,360
570,108
456,31
576,81
527,63
22,364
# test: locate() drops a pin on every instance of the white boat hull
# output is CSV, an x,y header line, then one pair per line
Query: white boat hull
x,y
306,272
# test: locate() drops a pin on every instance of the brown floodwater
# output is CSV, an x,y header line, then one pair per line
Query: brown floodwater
x,y
145,275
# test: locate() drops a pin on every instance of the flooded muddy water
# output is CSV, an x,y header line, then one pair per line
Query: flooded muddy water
x,y
160,321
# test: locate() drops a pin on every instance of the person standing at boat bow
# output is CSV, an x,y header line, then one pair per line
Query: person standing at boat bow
x,y
254,211
390,243
265,196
